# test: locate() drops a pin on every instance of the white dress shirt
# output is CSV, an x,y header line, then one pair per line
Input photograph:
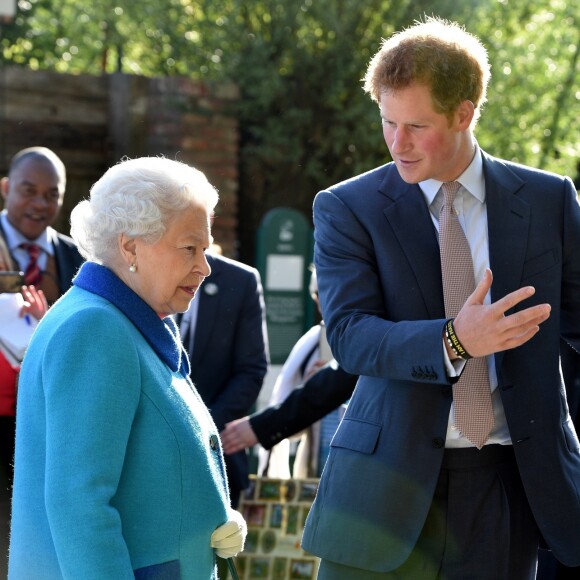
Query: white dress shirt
x,y
14,238
472,213
188,323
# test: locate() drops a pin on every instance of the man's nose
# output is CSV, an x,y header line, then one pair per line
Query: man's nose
x,y
400,140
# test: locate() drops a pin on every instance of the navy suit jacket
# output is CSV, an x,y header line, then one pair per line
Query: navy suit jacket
x,y
230,353
379,277
326,390
67,257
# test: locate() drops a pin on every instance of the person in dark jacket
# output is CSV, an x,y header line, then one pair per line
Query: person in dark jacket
x,y
224,333
326,390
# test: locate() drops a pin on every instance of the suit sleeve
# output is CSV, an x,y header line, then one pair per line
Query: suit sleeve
x,y
329,388
364,340
250,353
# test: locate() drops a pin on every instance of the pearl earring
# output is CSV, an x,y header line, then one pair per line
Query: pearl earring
x,y
133,268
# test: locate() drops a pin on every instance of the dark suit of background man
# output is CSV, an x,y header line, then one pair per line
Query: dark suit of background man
x,y
33,193
404,493
325,391
228,349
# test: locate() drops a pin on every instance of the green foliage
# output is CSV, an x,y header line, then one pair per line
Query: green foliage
x,y
305,120
533,112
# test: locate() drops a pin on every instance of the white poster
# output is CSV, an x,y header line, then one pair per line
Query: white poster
x,y
284,272
7,8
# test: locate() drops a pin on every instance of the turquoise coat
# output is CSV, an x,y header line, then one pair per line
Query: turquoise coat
x,y
118,465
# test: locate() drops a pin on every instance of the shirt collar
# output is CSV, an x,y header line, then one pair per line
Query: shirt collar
x,y
14,238
471,179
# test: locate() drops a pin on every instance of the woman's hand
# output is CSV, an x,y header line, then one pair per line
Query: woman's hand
x,y
228,539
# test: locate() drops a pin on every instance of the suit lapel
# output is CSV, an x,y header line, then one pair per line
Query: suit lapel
x,y
508,227
64,267
62,273
508,218
13,263
208,308
410,220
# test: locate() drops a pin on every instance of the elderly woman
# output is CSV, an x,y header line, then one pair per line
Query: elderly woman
x,y
119,471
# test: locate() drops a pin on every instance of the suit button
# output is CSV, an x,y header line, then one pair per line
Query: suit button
x,y
213,441
447,391
438,442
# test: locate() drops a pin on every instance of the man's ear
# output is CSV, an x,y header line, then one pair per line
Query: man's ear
x,y
4,186
464,115
128,249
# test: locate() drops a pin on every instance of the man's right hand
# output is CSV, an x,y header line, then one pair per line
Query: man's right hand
x,y
484,329
238,435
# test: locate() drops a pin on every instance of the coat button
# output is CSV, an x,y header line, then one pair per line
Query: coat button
x,y
438,442
213,441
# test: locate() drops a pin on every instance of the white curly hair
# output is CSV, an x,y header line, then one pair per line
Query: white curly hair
x,y
136,197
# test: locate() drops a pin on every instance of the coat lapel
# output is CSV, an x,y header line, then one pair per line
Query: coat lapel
x,y
508,218
411,222
508,227
62,265
13,263
208,308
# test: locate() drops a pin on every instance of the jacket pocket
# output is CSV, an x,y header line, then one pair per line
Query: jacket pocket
x,y
538,264
357,435
165,571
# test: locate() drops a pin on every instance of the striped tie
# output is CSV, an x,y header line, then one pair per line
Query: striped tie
x,y
471,393
32,274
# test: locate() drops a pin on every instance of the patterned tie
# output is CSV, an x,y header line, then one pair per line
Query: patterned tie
x,y
471,393
32,274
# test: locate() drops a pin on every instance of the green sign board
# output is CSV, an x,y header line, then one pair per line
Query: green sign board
x,y
284,256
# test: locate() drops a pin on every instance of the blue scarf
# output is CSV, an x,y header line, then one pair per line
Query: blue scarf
x,y
161,334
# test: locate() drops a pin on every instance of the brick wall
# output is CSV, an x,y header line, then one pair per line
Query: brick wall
x,y
93,121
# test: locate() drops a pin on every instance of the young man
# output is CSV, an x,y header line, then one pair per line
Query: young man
x,y
431,475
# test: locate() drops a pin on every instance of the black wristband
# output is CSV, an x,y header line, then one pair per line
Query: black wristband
x,y
454,343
